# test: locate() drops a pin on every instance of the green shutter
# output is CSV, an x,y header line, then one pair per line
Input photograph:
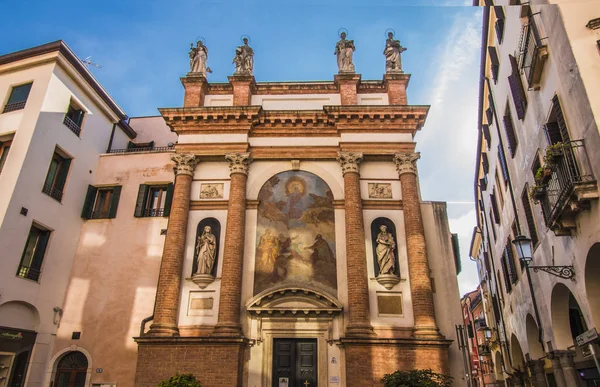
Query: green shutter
x,y
62,175
140,204
168,200
40,250
88,205
114,202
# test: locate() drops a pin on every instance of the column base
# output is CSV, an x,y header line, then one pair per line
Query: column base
x,y
163,330
227,330
360,331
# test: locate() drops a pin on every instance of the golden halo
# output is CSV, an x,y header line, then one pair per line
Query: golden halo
x,y
293,182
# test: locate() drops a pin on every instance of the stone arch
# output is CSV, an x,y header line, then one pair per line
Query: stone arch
x,y
516,353
391,228
19,315
567,319
498,366
215,226
535,347
592,283
60,355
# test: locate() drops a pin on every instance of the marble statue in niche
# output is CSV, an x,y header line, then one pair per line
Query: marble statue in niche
x,y
393,50
206,252
344,50
211,191
244,59
385,252
380,190
295,241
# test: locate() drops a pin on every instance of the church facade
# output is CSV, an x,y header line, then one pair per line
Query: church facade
x,y
298,251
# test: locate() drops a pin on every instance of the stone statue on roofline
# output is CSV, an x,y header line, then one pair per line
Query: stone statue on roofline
x,y
344,49
392,52
198,57
244,59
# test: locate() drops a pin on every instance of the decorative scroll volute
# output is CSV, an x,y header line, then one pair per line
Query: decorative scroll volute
x,y
184,164
238,162
406,162
350,161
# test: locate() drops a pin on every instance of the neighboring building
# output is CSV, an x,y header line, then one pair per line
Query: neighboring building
x,y
536,172
274,265
55,121
482,370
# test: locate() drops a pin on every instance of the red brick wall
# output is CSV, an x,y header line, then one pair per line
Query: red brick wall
x,y
213,364
367,364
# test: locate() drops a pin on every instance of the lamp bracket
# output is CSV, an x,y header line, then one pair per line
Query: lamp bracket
x,y
565,272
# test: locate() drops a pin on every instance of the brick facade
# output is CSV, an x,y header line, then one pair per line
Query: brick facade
x,y
195,90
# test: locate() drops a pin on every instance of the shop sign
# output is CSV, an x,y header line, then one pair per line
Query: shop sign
x,y
11,336
587,337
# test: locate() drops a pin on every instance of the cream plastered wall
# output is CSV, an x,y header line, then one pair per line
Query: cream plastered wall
x,y
560,76
113,282
295,102
41,131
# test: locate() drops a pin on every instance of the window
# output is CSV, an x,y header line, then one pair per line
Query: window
x,y
486,134
503,166
4,148
529,216
499,23
33,254
18,98
153,200
494,62
74,118
510,132
500,195
556,127
101,202
510,261
507,282
532,53
491,225
516,88
57,176
495,211
485,163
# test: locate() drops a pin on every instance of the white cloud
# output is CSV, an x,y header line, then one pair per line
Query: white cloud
x,y
463,226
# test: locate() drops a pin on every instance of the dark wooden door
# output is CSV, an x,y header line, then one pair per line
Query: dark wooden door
x,y
295,360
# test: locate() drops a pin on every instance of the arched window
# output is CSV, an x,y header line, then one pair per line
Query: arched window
x,y
71,370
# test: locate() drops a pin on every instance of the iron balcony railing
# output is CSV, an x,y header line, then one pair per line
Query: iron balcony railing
x,y
11,107
154,149
530,45
480,324
72,125
28,272
484,350
52,192
99,215
566,176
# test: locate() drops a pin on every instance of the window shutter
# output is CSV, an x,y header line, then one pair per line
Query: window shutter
x,y
88,205
486,134
62,175
503,163
40,250
511,263
560,119
552,133
510,135
529,216
168,200
507,282
495,208
516,88
485,163
140,204
114,202
494,62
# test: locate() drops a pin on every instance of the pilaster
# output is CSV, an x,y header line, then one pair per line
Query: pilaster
x,y
356,260
418,265
228,323
348,85
243,86
196,87
396,85
169,278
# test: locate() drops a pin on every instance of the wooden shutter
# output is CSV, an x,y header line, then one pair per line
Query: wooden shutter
x,y
511,263
88,204
140,204
516,88
510,134
494,62
507,282
560,119
62,175
168,200
529,216
503,165
495,208
485,163
40,250
114,202
486,134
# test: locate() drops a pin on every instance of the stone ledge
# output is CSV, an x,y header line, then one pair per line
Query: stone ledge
x,y
407,342
175,340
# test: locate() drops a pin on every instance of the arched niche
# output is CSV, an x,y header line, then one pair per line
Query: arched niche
x,y
216,231
375,230
295,233
20,315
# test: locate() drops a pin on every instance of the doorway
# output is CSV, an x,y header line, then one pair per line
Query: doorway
x,y
295,363
71,370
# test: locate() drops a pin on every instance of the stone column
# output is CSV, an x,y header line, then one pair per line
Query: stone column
x,y
559,376
228,323
169,278
567,365
356,259
418,265
538,375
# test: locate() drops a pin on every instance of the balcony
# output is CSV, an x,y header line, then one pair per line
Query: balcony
x,y
148,149
52,192
484,350
28,273
69,123
480,324
11,107
153,212
568,190
533,54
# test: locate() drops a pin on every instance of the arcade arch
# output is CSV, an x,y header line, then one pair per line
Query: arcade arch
x,y
567,319
592,283
535,347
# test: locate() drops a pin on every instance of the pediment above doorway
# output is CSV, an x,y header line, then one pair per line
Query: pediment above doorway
x,y
291,300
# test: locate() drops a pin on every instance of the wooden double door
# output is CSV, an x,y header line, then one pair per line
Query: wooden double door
x,y
295,363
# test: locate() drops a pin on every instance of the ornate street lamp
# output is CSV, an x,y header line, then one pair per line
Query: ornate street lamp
x,y
524,249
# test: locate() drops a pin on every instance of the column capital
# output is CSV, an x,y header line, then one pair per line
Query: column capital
x,y
350,161
184,163
406,162
238,162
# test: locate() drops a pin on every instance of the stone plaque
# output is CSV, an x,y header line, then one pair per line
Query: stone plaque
x,y
380,190
201,303
211,191
389,305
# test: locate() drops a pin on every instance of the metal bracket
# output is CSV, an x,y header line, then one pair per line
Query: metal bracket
x,y
564,272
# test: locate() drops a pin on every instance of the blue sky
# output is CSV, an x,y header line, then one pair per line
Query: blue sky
x,y
142,46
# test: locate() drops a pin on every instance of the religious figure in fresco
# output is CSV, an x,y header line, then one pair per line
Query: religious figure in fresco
x,y
392,52
320,250
206,246
344,49
295,190
385,251
269,247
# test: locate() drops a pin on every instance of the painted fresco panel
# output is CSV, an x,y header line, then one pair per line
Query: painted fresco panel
x,y
295,233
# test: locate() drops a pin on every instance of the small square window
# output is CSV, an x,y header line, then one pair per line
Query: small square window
x,y
18,98
74,118
4,148
33,254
